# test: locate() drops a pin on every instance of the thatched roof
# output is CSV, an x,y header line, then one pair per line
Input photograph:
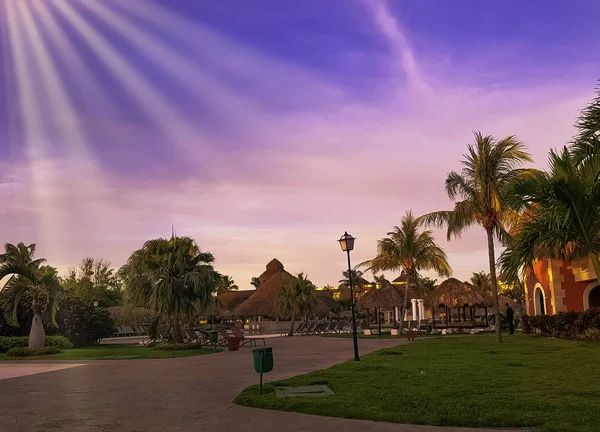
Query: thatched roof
x,y
403,278
262,301
326,298
386,297
230,300
454,293
321,309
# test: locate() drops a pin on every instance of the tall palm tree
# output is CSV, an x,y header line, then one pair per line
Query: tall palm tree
x,y
560,215
425,285
296,298
488,166
29,279
409,249
171,277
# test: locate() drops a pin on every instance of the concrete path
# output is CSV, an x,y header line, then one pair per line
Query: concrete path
x,y
172,395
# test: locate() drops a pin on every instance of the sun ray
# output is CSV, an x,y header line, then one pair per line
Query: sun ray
x,y
67,50
42,170
177,65
179,132
81,162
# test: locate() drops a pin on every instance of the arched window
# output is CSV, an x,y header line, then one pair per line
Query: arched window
x,y
539,301
594,297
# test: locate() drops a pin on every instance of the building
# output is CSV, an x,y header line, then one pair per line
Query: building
x,y
555,286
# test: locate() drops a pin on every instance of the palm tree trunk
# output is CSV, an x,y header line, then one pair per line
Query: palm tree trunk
x,y
408,282
291,332
490,238
37,335
177,336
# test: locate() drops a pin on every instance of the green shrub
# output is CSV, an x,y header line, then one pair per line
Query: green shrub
x,y
176,346
59,342
7,342
27,352
83,325
525,326
568,325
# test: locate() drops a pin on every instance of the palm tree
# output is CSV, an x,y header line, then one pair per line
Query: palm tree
x,y
560,215
29,279
255,282
488,167
296,298
409,249
425,285
171,277
358,281
482,281
226,284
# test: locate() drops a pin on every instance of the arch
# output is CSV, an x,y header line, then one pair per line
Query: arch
x,y
539,300
591,296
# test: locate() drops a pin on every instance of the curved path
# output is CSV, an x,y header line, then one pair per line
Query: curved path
x,y
184,394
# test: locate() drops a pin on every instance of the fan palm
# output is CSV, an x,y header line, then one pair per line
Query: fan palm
x,y
29,279
171,277
560,215
296,298
409,249
489,165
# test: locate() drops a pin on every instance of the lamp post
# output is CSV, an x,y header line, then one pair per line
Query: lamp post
x,y
347,244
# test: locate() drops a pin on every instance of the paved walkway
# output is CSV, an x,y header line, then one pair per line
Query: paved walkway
x,y
171,395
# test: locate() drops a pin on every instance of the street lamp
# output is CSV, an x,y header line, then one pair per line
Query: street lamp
x,y
347,244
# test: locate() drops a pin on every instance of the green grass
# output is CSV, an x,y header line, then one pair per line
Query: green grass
x,y
114,352
363,336
469,381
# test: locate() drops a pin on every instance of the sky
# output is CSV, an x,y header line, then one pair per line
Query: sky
x,y
266,129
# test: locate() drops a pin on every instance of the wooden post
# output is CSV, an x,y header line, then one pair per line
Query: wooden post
x,y
486,318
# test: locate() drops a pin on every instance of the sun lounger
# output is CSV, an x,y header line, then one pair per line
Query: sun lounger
x,y
309,328
244,340
320,328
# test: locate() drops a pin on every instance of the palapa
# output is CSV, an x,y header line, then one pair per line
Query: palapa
x,y
386,297
454,293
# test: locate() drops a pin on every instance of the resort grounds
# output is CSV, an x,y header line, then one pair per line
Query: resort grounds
x,y
454,382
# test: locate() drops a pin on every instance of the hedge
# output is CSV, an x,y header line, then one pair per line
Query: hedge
x,y
176,346
27,352
9,342
566,325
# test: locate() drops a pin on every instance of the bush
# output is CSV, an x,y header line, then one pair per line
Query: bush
x,y
27,352
526,326
58,342
568,325
176,346
82,324
6,342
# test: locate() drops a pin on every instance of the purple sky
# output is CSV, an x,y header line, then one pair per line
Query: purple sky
x,y
266,129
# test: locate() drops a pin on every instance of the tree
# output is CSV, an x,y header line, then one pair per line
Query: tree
x,y
94,282
482,281
171,277
255,282
83,324
30,279
425,285
560,214
358,281
296,298
488,167
226,284
409,249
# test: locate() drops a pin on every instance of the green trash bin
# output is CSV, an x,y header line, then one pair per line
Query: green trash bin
x,y
267,359
214,337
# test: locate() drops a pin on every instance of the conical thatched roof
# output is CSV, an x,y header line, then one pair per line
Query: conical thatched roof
x,y
403,278
262,301
321,309
230,300
386,297
454,293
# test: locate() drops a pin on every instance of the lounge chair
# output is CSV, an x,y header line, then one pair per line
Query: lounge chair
x,y
245,340
332,328
309,328
320,328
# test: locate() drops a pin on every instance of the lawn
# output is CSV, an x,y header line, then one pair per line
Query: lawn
x,y
363,336
114,352
467,380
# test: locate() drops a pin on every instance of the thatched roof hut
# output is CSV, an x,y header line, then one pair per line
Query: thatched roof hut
x,y
262,301
326,298
386,297
230,300
454,293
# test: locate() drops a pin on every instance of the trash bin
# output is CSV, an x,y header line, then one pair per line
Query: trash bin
x,y
410,335
214,337
267,359
233,343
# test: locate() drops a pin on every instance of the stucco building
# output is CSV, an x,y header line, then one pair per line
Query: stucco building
x,y
561,286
